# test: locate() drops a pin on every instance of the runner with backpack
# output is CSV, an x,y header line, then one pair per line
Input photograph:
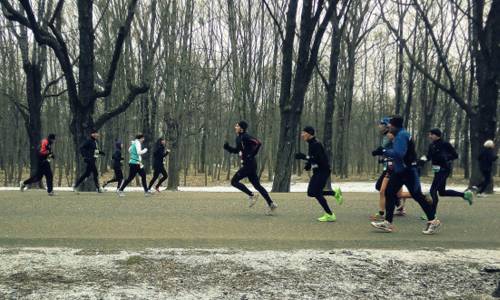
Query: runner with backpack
x,y
247,147
405,173
44,156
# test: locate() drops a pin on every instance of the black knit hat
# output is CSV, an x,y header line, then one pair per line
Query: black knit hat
x,y
309,129
436,132
51,136
243,125
93,131
397,121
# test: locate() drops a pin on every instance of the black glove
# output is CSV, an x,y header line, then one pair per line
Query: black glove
x,y
226,146
52,156
300,156
307,167
378,151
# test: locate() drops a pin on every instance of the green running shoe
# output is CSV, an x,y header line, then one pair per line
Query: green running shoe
x,y
338,196
328,218
468,196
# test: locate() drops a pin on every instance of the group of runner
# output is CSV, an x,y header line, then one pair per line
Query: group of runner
x,y
90,151
397,154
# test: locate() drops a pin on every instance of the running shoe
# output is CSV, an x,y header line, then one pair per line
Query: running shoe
x,y
148,194
22,186
468,196
481,195
157,190
271,209
400,211
338,196
52,194
121,193
383,225
432,227
328,218
252,200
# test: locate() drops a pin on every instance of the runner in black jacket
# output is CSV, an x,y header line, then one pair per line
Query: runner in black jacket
x,y
90,152
441,154
247,147
159,155
44,156
117,165
486,159
317,160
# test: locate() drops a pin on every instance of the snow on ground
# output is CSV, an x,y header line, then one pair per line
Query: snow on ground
x,y
63,273
299,187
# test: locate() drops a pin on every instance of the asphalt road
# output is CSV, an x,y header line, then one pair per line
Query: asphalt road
x,y
222,220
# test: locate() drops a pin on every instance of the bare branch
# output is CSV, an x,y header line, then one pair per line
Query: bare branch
x,y
122,34
133,92
280,30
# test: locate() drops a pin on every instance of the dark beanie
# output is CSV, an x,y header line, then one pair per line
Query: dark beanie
x,y
118,144
309,129
397,121
93,131
243,125
436,132
51,136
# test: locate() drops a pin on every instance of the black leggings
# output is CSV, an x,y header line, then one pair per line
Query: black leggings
x,y
117,178
134,170
439,187
43,170
409,178
316,186
250,170
156,173
89,169
487,180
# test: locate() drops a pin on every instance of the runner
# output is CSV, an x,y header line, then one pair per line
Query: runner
x,y
159,155
486,159
317,160
441,154
44,156
405,173
247,147
135,165
117,166
381,184
90,152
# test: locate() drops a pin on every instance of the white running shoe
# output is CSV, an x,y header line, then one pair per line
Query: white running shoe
x,y
383,225
252,200
432,227
22,186
121,193
271,209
